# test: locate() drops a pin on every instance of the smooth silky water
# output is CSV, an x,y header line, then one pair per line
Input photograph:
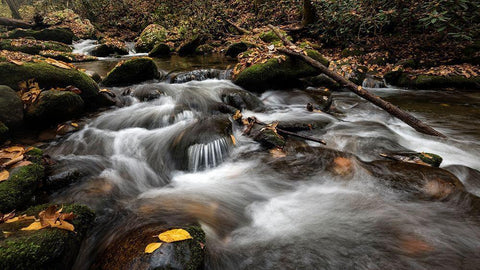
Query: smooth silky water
x,y
164,162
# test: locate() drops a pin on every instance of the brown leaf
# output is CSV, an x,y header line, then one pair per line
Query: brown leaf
x,y
4,175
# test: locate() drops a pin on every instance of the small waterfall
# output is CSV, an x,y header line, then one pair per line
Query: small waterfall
x,y
84,46
202,75
204,156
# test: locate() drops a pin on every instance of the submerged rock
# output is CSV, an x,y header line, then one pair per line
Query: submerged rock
x,y
54,106
135,70
268,138
161,49
48,76
49,248
128,251
11,107
402,79
275,74
53,34
150,36
32,46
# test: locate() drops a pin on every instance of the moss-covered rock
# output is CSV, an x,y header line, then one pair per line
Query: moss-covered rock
x,y
189,46
150,36
18,191
67,18
68,57
48,76
161,49
204,49
54,34
236,48
32,46
268,138
110,47
271,37
54,106
128,251
49,248
275,74
132,71
402,79
427,159
3,132
11,107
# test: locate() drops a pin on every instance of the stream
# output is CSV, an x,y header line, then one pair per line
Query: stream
x,y
170,161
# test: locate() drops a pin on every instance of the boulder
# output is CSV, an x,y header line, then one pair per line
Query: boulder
x,y
204,49
271,37
150,36
110,47
132,71
275,74
201,75
67,18
67,57
49,248
32,46
267,137
11,107
189,46
48,76
3,132
236,48
242,100
54,106
427,82
161,49
128,251
53,34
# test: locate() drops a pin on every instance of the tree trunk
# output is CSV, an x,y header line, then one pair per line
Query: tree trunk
x,y
309,13
13,5
14,23
385,105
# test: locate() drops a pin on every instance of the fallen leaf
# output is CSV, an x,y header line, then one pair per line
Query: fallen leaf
x,y
150,248
6,217
20,218
234,141
174,235
4,175
50,217
35,226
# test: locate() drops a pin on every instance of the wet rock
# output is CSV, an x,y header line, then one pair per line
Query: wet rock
x,y
373,82
48,76
32,46
150,36
267,137
242,100
188,47
201,75
277,75
469,177
204,49
52,34
358,75
11,107
67,18
403,79
68,57
161,49
19,190
128,251
322,99
147,93
236,48
58,180
110,47
322,80
49,248
94,75
132,71
427,159
54,106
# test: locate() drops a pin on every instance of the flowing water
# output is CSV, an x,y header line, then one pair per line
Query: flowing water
x,y
172,161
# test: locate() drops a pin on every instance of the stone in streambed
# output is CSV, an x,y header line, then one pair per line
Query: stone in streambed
x,y
127,252
53,34
160,50
242,100
132,71
110,47
54,106
189,46
32,46
236,48
11,107
426,82
49,248
150,36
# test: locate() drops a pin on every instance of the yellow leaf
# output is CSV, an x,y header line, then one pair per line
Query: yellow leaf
x,y
174,235
35,226
150,248
4,175
63,225
233,139
15,219
74,125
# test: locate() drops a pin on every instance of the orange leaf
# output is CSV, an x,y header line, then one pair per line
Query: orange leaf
x,y
4,175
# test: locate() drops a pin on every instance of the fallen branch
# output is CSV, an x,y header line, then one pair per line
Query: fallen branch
x,y
385,105
293,134
14,23
238,27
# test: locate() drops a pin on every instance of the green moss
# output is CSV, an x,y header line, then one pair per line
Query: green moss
x,y
432,159
150,36
204,49
132,71
351,52
18,191
49,248
48,76
53,34
161,49
278,75
270,36
54,106
402,79
35,155
32,46
269,139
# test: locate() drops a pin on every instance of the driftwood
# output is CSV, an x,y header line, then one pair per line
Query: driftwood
x,y
385,105
293,134
238,27
14,23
